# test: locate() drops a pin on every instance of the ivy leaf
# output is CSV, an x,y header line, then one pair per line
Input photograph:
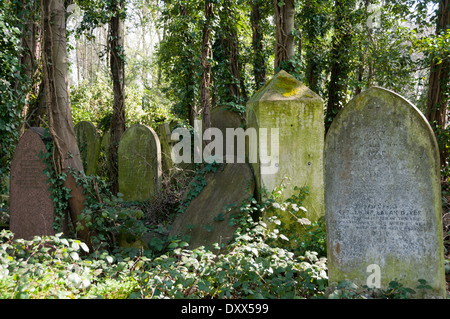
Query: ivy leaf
x,y
84,247
74,255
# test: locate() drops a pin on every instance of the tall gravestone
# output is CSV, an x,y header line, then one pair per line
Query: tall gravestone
x,y
383,196
288,105
139,160
89,144
31,208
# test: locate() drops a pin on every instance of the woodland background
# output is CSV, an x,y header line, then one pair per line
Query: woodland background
x,y
117,62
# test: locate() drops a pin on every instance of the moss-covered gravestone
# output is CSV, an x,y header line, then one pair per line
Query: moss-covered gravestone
x,y
31,207
89,144
166,146
383,195
209,217
139,163
288,105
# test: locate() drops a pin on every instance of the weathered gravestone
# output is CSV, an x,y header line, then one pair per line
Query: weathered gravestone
x,y
89,144
31,208
383,196
224,119
166,146
288,105
104,144
208,218
139,163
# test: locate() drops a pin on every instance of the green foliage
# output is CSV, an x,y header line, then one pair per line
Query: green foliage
x,y
93,102
395,290
13,85
179,54
196,185
296,231
108,217
58,193
57,267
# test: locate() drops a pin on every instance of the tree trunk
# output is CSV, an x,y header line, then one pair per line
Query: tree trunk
x,y
30,59
117,65
189,79
439,82
340,60
55,74
284,23
259,66
206,65
314,31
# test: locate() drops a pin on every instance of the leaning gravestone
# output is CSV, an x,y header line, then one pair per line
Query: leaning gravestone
x,y
31,208
383,196
288,105
89,145
208,218
139,163
224,119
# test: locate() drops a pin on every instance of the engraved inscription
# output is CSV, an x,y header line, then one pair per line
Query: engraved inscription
x,y
31,171
381,218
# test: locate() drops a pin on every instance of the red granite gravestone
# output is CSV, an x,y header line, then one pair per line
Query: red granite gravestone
x,y
31,208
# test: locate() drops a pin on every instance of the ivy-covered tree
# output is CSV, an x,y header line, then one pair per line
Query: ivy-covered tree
x,y
117,65
439,80
205,89
315,23
55,75
229,82
257,23
340,57
178,56
284,16
13,85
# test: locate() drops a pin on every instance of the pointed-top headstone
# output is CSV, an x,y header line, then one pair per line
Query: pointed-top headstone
x,y
31,207
287,105
284,86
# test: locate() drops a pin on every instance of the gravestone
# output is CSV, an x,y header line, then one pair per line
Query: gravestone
x,y
207,218
288,105
31,208
383,195
104,145
139,163
224,119
166,146
89,145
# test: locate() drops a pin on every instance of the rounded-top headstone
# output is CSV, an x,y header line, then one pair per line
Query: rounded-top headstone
x,y
31,208
140,170
383,196
166,146
89,144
